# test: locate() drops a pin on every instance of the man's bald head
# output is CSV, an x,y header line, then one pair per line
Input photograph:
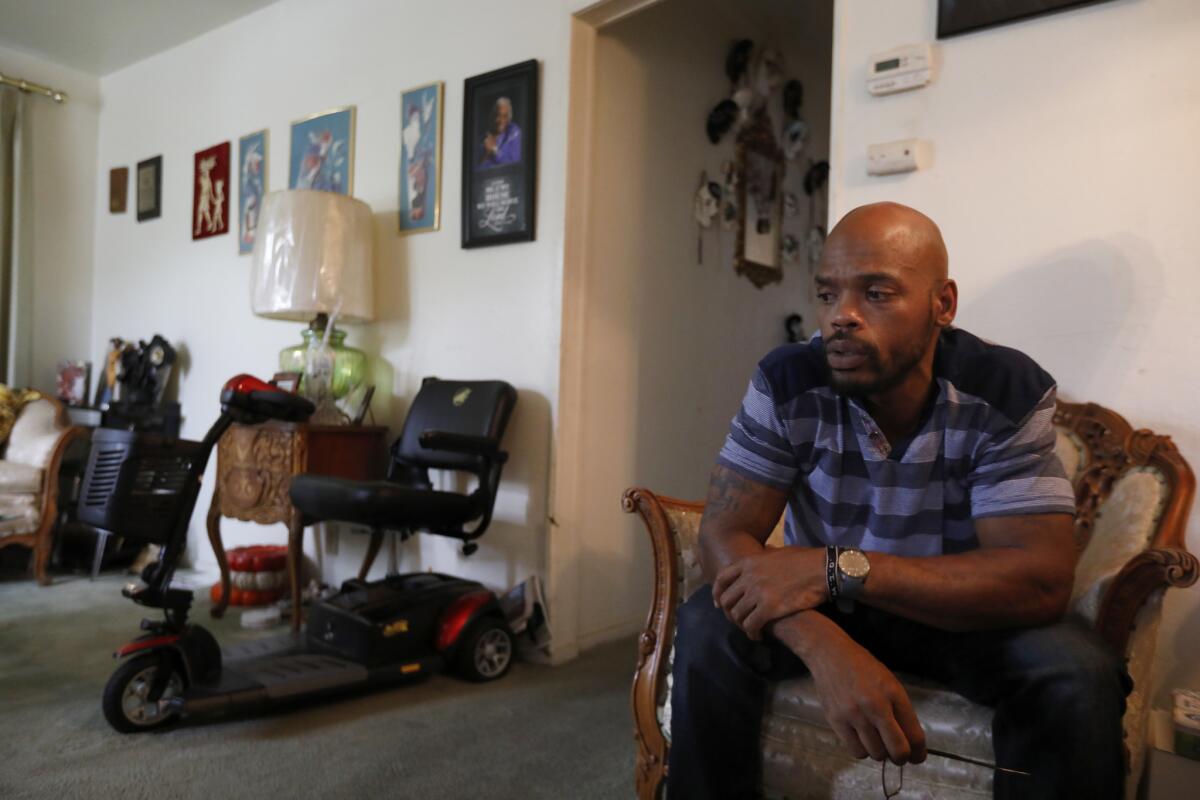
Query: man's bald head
x,y
908,238
883,297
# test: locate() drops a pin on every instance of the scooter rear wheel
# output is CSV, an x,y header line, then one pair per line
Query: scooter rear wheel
x,y
486,652
125,703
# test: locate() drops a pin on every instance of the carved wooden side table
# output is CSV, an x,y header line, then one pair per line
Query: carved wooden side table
x,y
255,465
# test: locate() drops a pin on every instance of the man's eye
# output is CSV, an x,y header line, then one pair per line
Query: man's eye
x,y
877,294
825,297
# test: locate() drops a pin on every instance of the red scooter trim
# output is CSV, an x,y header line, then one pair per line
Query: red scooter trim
x,y
146,644
457,615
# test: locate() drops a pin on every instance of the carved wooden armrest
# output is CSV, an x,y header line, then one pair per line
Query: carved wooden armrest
x,y
50,487
1147,572
49,498
655,642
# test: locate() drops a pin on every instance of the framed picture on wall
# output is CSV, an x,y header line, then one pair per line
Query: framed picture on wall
x,y
421,159
71,382
210,192
149,189
118,189
252,186
963,16
499,166
322,154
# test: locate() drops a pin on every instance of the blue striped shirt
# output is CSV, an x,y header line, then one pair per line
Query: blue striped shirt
x,y
984,448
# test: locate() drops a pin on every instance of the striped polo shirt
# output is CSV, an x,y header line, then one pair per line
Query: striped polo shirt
x,y
984,448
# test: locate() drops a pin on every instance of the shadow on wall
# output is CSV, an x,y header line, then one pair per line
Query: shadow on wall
x,y
514,545
1082,312
391,319
515,540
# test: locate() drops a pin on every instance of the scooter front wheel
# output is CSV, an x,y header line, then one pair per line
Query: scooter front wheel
x,y
126,703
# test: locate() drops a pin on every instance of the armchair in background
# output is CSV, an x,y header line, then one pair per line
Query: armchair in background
x,y
29,467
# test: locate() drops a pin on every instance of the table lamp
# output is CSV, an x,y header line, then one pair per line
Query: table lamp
x,y
313,260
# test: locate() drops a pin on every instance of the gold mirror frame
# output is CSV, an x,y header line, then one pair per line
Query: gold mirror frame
x,y
759,254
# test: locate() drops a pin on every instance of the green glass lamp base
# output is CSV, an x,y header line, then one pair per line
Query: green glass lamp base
x,y
349,363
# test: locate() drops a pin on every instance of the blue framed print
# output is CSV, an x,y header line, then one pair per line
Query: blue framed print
x,y
421,159
322,154
252,186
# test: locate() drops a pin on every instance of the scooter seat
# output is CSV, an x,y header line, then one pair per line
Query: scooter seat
x,y
381,504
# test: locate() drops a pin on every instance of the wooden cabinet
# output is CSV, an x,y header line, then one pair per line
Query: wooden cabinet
x,y
255,465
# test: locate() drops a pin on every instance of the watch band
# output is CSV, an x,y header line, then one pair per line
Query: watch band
x,y
831,572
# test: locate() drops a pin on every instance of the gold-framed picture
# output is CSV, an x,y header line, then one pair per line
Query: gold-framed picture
x,y
322,155
420,190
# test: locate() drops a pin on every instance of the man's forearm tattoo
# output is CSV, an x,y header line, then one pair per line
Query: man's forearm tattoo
x,y
728,493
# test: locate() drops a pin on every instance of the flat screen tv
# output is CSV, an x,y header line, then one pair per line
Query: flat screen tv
x,y
963,16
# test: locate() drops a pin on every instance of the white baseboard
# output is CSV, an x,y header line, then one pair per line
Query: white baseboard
x,y
610,633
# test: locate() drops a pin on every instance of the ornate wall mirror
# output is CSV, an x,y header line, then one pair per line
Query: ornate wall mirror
x,y
760,166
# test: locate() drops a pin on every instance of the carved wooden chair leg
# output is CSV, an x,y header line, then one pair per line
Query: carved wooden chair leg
x,y
213,522
41,548
372,551
295,561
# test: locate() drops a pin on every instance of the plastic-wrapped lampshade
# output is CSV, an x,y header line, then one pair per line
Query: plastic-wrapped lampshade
x,y
311,250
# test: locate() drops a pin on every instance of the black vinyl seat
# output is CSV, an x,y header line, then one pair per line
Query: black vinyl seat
x,y
382,504
452,425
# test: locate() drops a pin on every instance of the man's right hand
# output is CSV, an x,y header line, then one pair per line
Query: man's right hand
x,y
863,701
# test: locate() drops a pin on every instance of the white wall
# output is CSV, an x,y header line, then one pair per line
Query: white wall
x,y
61,210
671,343
491,312
1066,180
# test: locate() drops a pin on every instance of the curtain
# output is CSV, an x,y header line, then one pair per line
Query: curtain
x,y
16,282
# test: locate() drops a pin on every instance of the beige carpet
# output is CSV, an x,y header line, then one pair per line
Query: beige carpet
x,y
539,732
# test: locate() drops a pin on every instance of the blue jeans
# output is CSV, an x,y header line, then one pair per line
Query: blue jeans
x,y
1058,691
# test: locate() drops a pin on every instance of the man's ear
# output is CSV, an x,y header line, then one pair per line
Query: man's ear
x,y
946,303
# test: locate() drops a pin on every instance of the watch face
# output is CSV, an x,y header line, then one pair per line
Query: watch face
x,y
157,356
854,563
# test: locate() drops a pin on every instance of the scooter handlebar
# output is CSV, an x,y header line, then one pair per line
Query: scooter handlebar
x,y
249,399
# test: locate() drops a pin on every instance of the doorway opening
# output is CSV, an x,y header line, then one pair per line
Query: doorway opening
x,y
660,335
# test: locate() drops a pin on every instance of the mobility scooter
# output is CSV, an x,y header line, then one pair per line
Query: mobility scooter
x,y
368,634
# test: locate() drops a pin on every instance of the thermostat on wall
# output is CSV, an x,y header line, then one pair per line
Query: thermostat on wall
x,y
900,69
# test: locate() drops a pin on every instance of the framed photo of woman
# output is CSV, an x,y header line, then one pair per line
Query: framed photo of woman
x,y
500,156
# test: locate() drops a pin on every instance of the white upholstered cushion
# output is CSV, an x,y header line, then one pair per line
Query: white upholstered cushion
x,y
19,478
1124,525
34,435
19,513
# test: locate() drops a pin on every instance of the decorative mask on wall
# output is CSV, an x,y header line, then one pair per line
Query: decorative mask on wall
x,y
706,204
815,181
707,201
795,135
791,204
750,198
816,244
791,249
729,196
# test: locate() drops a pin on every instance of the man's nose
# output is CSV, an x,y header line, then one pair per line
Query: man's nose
x,y
846,314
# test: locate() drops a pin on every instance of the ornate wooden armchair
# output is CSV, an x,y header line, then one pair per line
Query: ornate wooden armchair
x,y
1133,495
29,478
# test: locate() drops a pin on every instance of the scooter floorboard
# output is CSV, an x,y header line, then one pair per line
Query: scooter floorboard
x,y
280,668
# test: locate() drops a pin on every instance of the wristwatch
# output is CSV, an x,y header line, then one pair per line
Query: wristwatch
x,y
853,567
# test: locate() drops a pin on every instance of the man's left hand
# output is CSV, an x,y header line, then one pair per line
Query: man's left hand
x,y
759,589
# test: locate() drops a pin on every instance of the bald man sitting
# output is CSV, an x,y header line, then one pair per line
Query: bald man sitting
x,y
929,530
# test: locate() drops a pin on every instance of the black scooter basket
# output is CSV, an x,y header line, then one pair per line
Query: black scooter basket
x,y
137,485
